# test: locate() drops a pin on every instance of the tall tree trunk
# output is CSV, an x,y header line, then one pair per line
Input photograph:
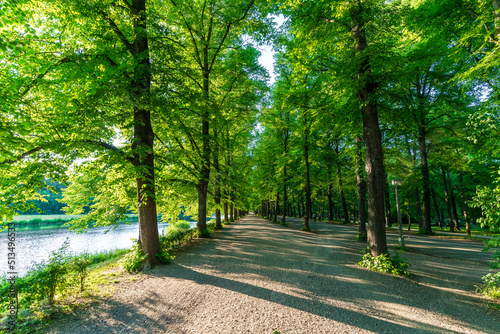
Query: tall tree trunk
x,y
464,204
453,204
307,213
218,222
226,216
201,224
438,214
424,169
448,201
409,217
303,204
143,138
202,186
341,189
374,160
330,202
342,197
388,218
277,206
283,219
360,189
418,208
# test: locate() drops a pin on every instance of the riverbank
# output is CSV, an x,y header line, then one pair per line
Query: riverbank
x,y
55,221
259,277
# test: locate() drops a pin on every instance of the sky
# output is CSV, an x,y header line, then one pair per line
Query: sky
x,y
266,59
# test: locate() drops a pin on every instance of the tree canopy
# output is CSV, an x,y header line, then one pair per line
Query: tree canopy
x,y
162,107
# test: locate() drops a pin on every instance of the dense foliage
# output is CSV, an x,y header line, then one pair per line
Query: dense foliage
x,y
162,107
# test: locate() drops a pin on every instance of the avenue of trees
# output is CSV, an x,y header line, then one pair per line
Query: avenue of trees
x,y
161,106
374,91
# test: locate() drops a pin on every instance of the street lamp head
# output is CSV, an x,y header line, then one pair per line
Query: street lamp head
x,y
396,182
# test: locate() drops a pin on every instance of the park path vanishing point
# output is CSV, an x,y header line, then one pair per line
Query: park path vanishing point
x,y
258,277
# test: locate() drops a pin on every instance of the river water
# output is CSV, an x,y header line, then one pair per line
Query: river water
x,y
36,245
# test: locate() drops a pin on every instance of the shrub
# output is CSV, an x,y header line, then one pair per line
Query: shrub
x,y
175,234
132,261
175,230
493,243
164,257
361,237
43,278
491,285
79,265
385,263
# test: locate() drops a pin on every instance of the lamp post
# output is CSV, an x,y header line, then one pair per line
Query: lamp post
x,y
401,238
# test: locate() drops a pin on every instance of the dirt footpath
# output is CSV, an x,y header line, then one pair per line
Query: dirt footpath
x,y
259,277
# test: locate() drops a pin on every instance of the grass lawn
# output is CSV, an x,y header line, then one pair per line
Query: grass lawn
x,y
475,230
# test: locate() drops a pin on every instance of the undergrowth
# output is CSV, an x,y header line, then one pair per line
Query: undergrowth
x,y
491,282
53,286
176,234
491,286
361,237
386,263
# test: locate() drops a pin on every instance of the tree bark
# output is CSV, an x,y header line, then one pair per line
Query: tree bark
x,y
202,186
387,202
218,222
277,206
374,160
330,202
464,205
453,204
283,219
226,216
341,189
360,189
201,224
438,214
448,201
418,208
424,169
307,212
142,146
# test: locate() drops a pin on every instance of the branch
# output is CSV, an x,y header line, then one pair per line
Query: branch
x,y
118,32
22,156
197,52
42,75
109,147
226,33
492,38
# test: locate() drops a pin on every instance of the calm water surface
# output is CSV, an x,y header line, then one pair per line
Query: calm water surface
x,y
37,245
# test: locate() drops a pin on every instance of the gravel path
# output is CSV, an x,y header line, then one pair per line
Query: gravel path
x,y
259,277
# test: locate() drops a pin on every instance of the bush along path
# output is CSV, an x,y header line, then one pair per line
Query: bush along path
x,y
259,277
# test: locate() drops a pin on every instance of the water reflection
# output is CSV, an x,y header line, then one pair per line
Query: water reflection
x,y
37,245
